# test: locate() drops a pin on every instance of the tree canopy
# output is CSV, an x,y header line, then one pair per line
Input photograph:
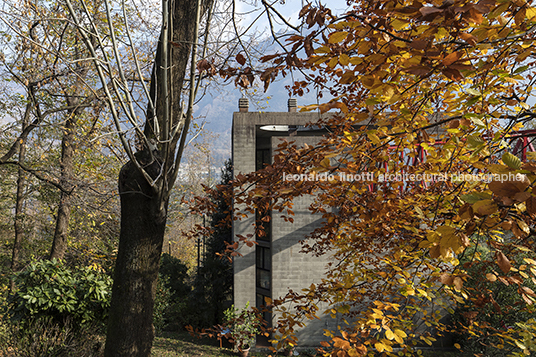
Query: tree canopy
x,y
427,99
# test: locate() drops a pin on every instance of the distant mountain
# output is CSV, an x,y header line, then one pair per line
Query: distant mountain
x,y
219,104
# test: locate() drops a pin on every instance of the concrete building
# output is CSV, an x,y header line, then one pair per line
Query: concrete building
x,y
275,264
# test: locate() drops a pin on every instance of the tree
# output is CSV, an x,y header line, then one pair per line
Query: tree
x,y
47,64
214,279
146,180
433,92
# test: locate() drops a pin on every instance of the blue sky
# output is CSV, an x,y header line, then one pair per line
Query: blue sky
x,y
218,104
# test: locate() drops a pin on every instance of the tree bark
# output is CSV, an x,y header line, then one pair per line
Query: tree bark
x,y
61,232
143,222
19,201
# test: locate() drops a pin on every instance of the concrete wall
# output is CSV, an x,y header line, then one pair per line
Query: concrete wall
x,y
290,268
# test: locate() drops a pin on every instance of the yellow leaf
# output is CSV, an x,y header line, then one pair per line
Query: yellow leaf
x,y
373,137
389,335
400,333
337,37
344,59
333,62
491,277
531,13
399,24
379,346
325,163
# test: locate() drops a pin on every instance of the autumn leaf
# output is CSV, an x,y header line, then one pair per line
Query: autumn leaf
x,y
340,343
429,10
491,277
418,70
511,160
337,37
452,74
446,279
485,207
451,58
470,39
241,59
503,262
458,283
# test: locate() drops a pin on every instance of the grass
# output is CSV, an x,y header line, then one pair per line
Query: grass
x,y
183,345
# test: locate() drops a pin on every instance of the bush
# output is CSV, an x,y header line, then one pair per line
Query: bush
x,y
46,338
49,290
243,325
162,303
171,310
500,308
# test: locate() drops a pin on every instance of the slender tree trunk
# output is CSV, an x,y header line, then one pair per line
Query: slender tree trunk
x,y
19,216
143,222
61,233
19,201
19,212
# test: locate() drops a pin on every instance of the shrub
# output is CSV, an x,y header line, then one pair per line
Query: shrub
x,y
244,325
50,290
500,308
162,303
46,338
174,291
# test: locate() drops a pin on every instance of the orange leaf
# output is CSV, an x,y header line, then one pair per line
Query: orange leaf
x,y
446,279
340,343
419,44
458,283
435,251
451,58
528,291
470,39
452,74
418,70
531,205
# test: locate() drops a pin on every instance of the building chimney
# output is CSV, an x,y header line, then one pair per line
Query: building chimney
x,y
243,105
292,105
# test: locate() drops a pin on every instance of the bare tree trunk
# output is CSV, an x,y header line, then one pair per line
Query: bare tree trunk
x,y
61,233
143,222
19,203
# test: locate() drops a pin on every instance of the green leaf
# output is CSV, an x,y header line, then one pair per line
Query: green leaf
x,y
521,69
511,161
475,197
475,141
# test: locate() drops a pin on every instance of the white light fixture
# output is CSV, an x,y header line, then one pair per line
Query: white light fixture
x,y
274,127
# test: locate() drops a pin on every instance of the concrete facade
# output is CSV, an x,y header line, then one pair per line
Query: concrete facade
x,y
275,265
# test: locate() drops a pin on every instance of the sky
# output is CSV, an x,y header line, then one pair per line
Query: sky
x,y
218,104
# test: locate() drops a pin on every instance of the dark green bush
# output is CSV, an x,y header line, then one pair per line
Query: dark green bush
x,y
162,303
171,311
51,290
496,307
